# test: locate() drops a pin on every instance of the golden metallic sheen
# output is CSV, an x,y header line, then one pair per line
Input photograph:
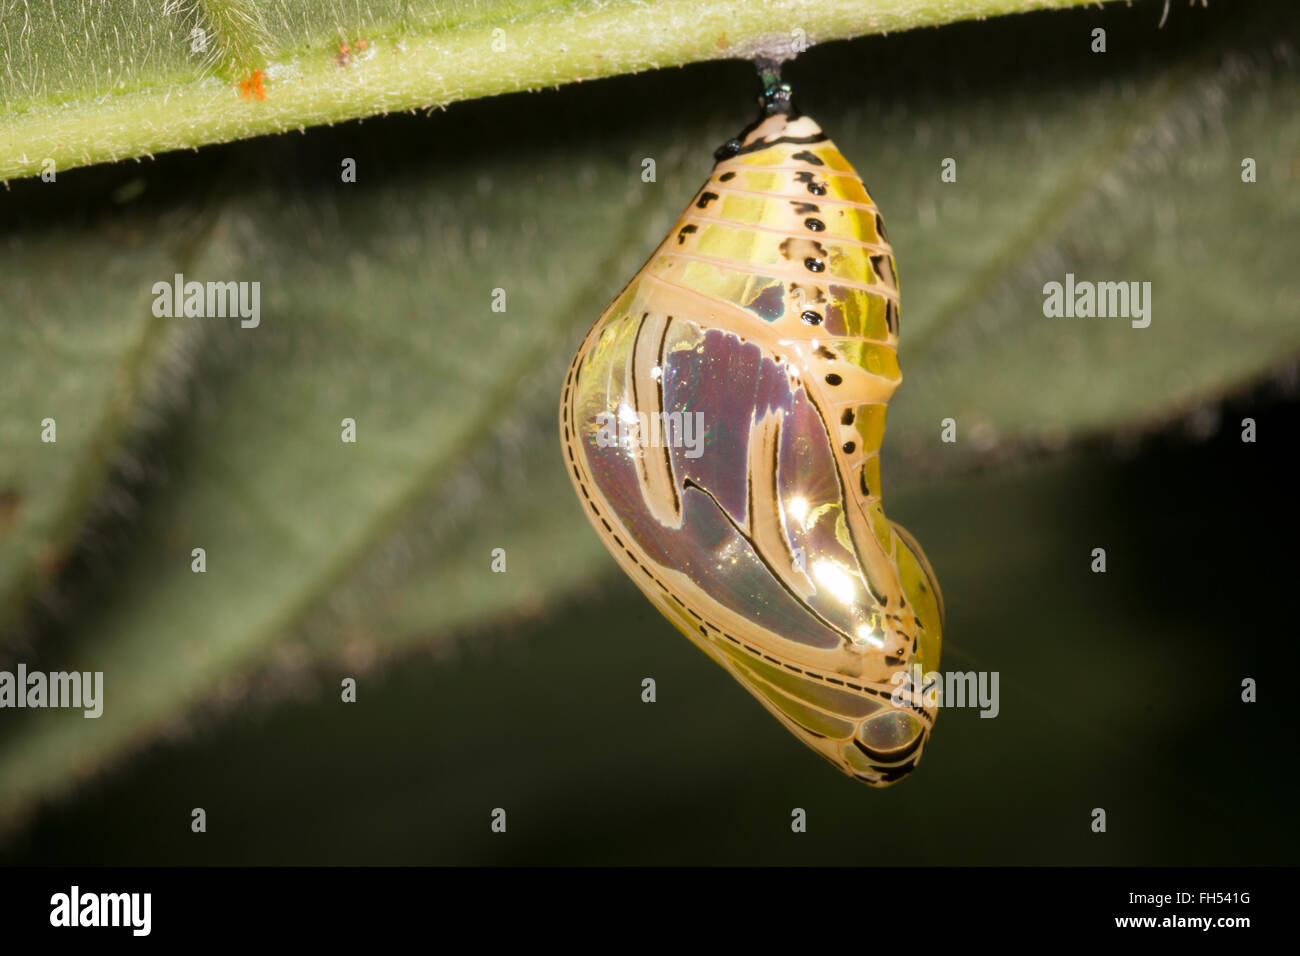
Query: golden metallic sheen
x,y
722,424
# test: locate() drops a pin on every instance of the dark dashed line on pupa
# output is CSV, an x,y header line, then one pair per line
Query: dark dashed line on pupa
x,y
883,266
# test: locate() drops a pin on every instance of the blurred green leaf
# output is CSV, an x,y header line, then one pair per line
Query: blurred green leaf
x,y
376,306
1115,690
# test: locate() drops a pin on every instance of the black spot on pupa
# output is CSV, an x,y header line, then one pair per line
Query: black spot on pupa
x,y
803,208
726,177
684,231
891,316
848,447
813,264
809,180
826,353
833,379
807,156
847,417
705,200
880,228
883,266
728,149
862,482
814,225
811,318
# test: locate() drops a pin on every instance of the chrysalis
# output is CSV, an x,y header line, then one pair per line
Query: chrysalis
x,y
722,424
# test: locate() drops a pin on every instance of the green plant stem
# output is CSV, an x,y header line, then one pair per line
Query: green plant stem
x,y
427,67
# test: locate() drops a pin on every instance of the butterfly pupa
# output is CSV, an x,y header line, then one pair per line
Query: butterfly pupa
x,y
722,424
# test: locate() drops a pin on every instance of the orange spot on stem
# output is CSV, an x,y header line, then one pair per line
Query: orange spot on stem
x,y
252,86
